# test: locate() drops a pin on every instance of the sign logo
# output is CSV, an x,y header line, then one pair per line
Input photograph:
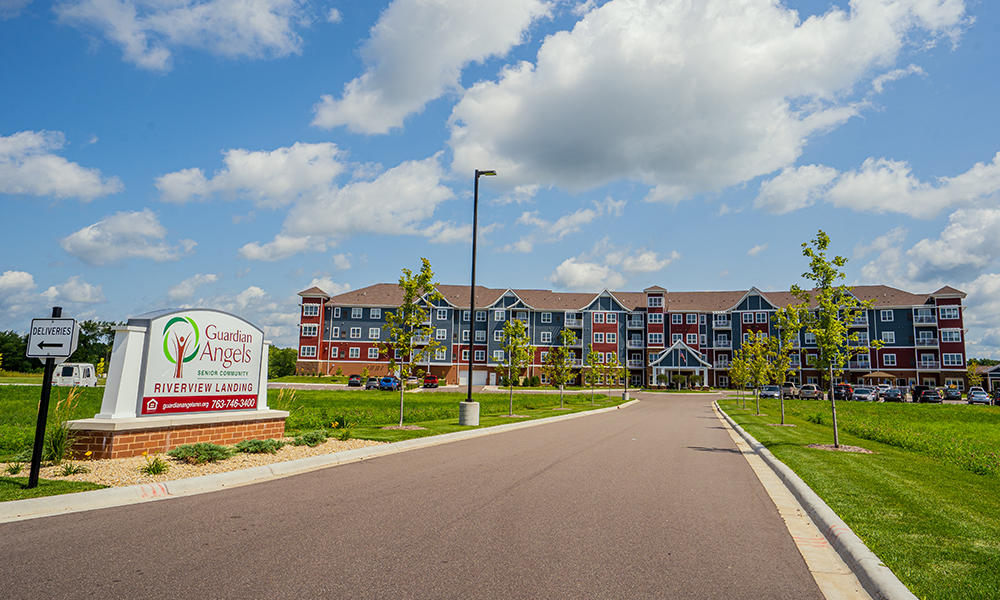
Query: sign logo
x,y
151,405
185,341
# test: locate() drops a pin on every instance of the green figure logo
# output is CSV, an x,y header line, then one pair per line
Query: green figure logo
x,y
181,343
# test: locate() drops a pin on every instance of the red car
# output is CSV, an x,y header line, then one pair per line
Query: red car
x,y
430,381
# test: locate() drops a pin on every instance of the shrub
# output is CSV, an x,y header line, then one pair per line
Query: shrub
x,y
344,435
536,381
200,453
259,446
14,468
154,465
340,422
58,436
72,469
816,418
311,438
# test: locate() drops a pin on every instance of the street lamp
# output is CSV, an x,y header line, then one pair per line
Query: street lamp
x,y
468,411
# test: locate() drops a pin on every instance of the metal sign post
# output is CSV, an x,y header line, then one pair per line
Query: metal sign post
x,y
50,340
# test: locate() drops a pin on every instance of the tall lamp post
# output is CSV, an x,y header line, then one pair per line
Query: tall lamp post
x,y
468,411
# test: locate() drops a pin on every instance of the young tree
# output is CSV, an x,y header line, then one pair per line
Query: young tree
x,y
558,365
592,370
784,343
409,324
835,309
613,371
694,379
661,379
758,363
739,374
679,380
973,375
516,352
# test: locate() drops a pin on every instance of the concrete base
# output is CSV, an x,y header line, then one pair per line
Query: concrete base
x,y
624,396
468,413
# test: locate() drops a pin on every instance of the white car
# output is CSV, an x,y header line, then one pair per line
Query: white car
x,y
75,374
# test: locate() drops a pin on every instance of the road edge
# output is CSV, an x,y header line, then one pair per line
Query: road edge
x,y
877,579
47,506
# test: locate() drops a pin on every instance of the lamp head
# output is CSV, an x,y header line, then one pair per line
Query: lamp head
x,y
480,173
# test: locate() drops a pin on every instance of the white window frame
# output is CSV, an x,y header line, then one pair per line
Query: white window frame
x,y
885,316
465,355
546,317
862,338
676,319
598,317
889,359
373,352
948,310
465,316
888,337
761,317
702,319
307,351
336,332
609,357
600,357
522,316
310,330
357,312
480,335
676,337
480,316
655,318
655,339
611,318
691,319
442,314
545,337
336,312
440,334
654,301
465,335
809,338
956,359
746,337
748,317
374,333
691,338
355,333
498,335
334,352
375,313
611,338
703,339
498,356
354,352
480,355
543,356
440,354
598,337
499,314
957,333
310,310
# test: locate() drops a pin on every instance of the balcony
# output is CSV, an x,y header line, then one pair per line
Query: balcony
x,y
577,363
574,322
635,364
421,340
862,343
722,323
860,364
923,341
721,364
928,364
722,343
861,321
636,324
925,319
635,344
577,344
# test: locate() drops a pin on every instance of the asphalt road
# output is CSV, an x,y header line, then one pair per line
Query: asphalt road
x,y
650,501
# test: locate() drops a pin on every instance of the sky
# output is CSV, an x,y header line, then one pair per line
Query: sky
x,y
231,153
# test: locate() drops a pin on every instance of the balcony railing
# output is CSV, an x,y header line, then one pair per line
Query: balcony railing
x,y
573,322
420,339
860,364
577,362
635,364
860,321
577,344
722,323
859,343
721,364
635,344
722,343
635,324
926,342
925,319
928,364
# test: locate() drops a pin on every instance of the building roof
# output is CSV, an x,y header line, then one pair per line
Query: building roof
x,y
389,295
314,291
949,291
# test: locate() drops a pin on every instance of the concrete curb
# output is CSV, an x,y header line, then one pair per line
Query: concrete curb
x,y
878,580
33,508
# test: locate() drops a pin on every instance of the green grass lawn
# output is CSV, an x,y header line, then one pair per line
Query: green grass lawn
x,y
927,502
310,379
13,488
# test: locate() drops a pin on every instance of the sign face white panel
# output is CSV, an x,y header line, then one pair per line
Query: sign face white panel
x,y
52,338
201,361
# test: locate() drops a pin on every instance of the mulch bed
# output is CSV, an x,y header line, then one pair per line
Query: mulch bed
x,y
842,448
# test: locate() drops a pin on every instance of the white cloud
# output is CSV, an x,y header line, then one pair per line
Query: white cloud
x,y
757,249
329,286
416,53
342,261
28,166
125,235
10,9
15,282
440,232
249,296
878,84
186,288
644,261
334,16
521,194
794,188
281,247
523,245
893,239
268,178
75,290
717,92
149,32
574,274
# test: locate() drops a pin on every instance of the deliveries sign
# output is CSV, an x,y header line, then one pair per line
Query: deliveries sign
x,y
201,360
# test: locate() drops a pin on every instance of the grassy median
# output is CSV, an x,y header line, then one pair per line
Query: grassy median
x,y
927,502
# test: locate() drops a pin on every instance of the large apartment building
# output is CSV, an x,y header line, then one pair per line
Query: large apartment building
x,y
653,332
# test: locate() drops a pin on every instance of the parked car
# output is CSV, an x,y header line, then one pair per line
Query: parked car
x,y
895,395
883,389
430,381
354,381
789,390
865,394
810,391
389,383
978,397
770,391
952,393
75,374
976,388
929,394
842,391
372,383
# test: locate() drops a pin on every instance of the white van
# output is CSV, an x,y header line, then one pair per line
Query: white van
x,y
75,374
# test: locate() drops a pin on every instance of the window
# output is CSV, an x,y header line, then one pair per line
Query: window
x,y
499,314
465,335
441,334
655,339
334,352
522,316
440,354
889,359
544,378
692,338
598,338
465,316
442,314
546,317
889,337
655,317
676,319
336,332
498,355
310,310
748,317
310,330
952,359
357,313
704,340
612,338
676,338
354,352
336,312
885,316
948,312
374,333
544,355
598,317
811,362
746,337
480,316
762,317
862,338
546,337
795,360
307,351
702,319
375,313
465,355
355,333
609,357
373,353
480,335
692,319
654,301
947,335
497,335
612,318
809,338
480,355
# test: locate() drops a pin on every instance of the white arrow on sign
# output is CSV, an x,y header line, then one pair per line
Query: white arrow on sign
x,y
52,338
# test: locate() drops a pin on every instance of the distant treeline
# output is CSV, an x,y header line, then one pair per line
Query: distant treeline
x,y
96,339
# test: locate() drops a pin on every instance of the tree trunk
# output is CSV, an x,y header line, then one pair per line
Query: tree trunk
x,y
756,397
782,408
402,388
561,395
510,411
833,410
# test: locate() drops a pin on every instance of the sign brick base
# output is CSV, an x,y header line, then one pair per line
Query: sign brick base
x,y
120,438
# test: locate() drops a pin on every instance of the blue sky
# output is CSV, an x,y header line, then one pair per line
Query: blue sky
x,y
168,153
